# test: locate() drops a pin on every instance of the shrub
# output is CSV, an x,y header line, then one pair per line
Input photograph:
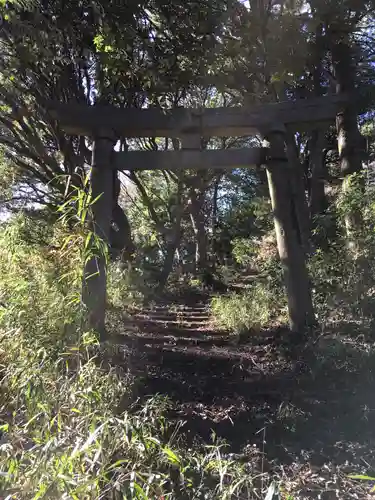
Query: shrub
x,y
125,286
39,283
247,311
343,286
244,251
255,252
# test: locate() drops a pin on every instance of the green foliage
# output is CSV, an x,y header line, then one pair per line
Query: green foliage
x,y
244,251
66,435
250,310
35,279
76,214
343,287
352,198
126,287
6,180
363,477
262,297
65,431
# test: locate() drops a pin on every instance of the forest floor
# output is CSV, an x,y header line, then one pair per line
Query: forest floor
x,y
303,414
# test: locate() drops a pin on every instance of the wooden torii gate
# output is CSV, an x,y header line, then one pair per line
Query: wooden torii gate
x,y
106,124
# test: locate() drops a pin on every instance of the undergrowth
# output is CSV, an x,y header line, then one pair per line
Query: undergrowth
x,y
65,432
261,301
250,310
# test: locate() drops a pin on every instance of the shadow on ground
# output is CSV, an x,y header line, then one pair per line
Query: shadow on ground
x,y
303,406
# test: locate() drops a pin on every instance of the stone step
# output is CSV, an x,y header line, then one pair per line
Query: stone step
x,y
173,317
174,311
170,323
179,308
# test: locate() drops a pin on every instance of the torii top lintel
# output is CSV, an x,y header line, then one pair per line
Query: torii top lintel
x,y
82,119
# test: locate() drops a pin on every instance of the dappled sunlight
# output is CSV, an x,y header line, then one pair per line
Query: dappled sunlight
x,y
187,249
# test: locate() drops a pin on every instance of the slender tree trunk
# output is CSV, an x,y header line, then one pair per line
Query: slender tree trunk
x,y
121,238
173,235
318,200
316,159
299,194
145,198
198,223
172,246
214,218
94,285
194,142
301,313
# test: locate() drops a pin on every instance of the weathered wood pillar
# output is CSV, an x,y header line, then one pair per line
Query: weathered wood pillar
x,y
94,283
301,314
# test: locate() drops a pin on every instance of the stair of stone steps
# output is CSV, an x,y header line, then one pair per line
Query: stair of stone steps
x,y
182,314
165,333
199,313
171,324
188,325
179,308
172,317
160,314
174,309
178,321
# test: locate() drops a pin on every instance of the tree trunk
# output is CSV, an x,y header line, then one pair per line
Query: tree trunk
x,y
198,223
121,238
94,284
316,160
318,200
194,142
351,144
299,194
301,313
145,198
173,242
214,218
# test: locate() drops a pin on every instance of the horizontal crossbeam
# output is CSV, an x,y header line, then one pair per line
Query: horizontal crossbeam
x,y
189,159
81,119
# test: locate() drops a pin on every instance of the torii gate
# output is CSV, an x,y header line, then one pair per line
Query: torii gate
x,y
106,124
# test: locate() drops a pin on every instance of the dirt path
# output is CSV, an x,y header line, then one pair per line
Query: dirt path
x,y
310,410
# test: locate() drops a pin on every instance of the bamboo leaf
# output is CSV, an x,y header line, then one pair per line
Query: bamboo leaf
x,y
172,457
361,476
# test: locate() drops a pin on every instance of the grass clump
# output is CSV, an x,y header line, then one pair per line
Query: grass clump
x,y
247,311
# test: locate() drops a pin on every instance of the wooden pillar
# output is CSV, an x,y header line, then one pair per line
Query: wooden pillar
x,y
94,285
289,243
